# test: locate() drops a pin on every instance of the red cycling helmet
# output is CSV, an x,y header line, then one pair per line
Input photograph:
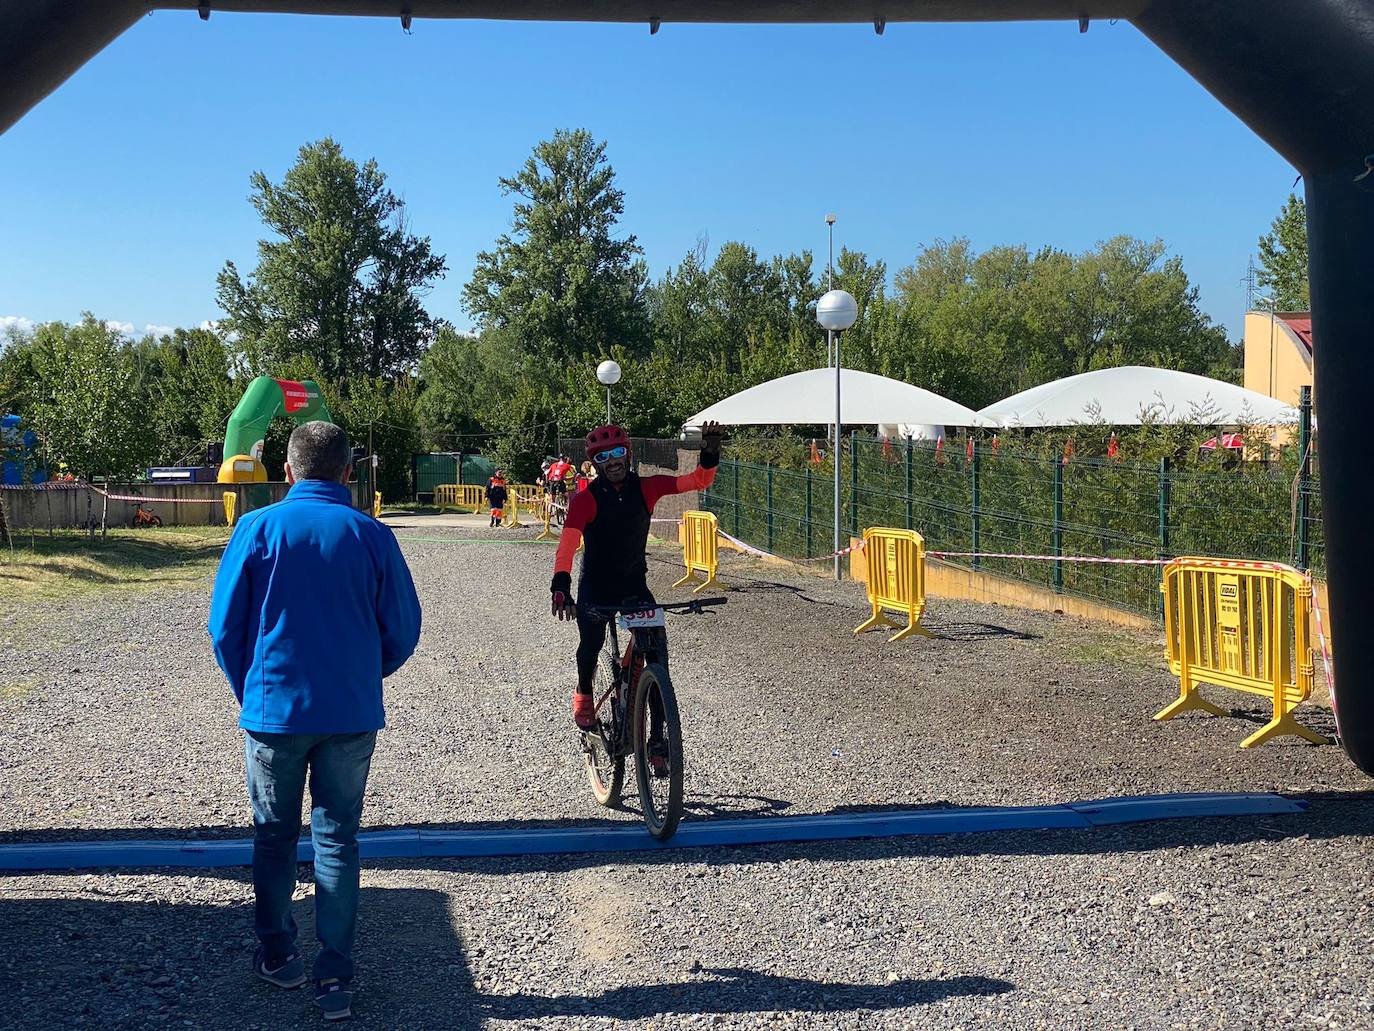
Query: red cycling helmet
x,y
603,438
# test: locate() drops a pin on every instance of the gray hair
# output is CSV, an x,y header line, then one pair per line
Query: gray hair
x,y
318,451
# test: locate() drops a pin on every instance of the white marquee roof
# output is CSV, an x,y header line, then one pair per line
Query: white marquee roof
x,y
808,398
1135,394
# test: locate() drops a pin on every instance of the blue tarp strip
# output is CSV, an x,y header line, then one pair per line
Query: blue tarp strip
x,y
626,836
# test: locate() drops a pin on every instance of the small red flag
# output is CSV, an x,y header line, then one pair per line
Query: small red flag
x,y
940,451
887,450
1068,451
1113,450
969,449
815,454
995,443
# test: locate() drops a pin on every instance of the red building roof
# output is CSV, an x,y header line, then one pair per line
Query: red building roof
x,y
1301,325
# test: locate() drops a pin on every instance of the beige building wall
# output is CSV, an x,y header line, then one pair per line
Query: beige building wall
x,y
1277,362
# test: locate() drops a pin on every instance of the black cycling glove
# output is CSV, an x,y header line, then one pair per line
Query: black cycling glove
x,y
562,584
710,450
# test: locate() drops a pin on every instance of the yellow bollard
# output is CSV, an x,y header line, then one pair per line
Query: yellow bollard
x,y
699,552
230,502
896,561
1242,625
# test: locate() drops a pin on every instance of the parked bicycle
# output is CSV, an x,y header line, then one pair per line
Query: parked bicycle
x,y
144,517
637,714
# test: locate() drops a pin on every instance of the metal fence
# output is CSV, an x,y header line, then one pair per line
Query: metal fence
x,y
979,499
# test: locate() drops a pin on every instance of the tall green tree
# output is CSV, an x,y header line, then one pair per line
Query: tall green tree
x,y
341,281
563,280
86,406
1283,259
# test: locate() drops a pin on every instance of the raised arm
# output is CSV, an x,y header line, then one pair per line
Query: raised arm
x,y
658,487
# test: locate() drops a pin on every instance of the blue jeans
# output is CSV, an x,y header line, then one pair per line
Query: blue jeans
x,y
277,765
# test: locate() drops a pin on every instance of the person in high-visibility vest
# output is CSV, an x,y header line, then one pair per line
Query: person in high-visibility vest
x,y
496,496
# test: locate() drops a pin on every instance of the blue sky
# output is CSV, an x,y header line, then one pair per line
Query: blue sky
x,y
125,191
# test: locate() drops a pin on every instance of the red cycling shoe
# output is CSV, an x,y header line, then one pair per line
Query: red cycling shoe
x,y
584,711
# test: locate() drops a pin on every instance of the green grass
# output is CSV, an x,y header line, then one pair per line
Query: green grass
x,y
16,689
70,563
1115,647
409,506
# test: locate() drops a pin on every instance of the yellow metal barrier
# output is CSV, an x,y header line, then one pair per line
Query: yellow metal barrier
x,y
546,515
230,501
511,513
699,550
1242,625
460,495
376,504
896,579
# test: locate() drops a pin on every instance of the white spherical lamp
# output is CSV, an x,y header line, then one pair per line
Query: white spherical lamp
x,y
608,373
837,310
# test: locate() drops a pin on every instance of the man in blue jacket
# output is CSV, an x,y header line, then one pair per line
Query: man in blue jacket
x,y
313,606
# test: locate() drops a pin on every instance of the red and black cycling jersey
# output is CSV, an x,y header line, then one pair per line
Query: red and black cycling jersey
x,y
613,522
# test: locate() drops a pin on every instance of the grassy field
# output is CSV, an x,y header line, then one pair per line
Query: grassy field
x,y
71,563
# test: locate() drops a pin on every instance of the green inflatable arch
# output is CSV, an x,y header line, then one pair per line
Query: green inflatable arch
x,y
263,401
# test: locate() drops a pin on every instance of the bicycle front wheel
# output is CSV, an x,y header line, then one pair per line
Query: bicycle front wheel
x,y
658,751
602,753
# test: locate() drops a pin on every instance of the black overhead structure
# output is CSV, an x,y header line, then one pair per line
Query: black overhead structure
x,y
1298,72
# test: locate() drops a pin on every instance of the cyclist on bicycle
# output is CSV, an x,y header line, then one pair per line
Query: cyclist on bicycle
x,y
558,475
611,517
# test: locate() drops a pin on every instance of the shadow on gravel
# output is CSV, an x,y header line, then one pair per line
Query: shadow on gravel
x,y
975,631
130,962
116,963
735,990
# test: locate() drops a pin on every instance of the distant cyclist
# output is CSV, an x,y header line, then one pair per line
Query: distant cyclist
x,y
559,474
611,517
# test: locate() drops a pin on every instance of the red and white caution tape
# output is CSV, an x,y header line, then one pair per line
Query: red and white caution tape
x,y
158,501
1050,558
760,553
1326,652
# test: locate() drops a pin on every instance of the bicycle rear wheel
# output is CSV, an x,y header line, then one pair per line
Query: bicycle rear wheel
x,y
601,753
660,791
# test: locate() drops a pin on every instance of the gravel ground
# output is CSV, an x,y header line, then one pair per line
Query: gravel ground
x,y
115,722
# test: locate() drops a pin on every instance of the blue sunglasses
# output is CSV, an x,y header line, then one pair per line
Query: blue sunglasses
x,y
606,456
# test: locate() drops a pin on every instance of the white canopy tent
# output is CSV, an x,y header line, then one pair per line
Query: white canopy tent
x,y
808,398
1133,395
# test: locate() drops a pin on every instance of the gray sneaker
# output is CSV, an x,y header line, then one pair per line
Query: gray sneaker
x,y
289,974
334,998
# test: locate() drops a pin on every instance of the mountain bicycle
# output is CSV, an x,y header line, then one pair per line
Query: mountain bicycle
x,y
637,714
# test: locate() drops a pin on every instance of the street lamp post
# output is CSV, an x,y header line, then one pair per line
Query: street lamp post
x,y
836,311
608,374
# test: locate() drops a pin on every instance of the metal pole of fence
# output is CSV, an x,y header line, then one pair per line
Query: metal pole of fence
x,y
1058,525
770,508
909,521
1304,474
736,464
1164,490
853,483
808,511
975,537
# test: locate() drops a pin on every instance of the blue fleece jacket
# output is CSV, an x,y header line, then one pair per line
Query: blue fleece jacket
x,y
313,606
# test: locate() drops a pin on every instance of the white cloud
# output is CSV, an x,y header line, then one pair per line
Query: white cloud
x,y
9,322
158,331
126,328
